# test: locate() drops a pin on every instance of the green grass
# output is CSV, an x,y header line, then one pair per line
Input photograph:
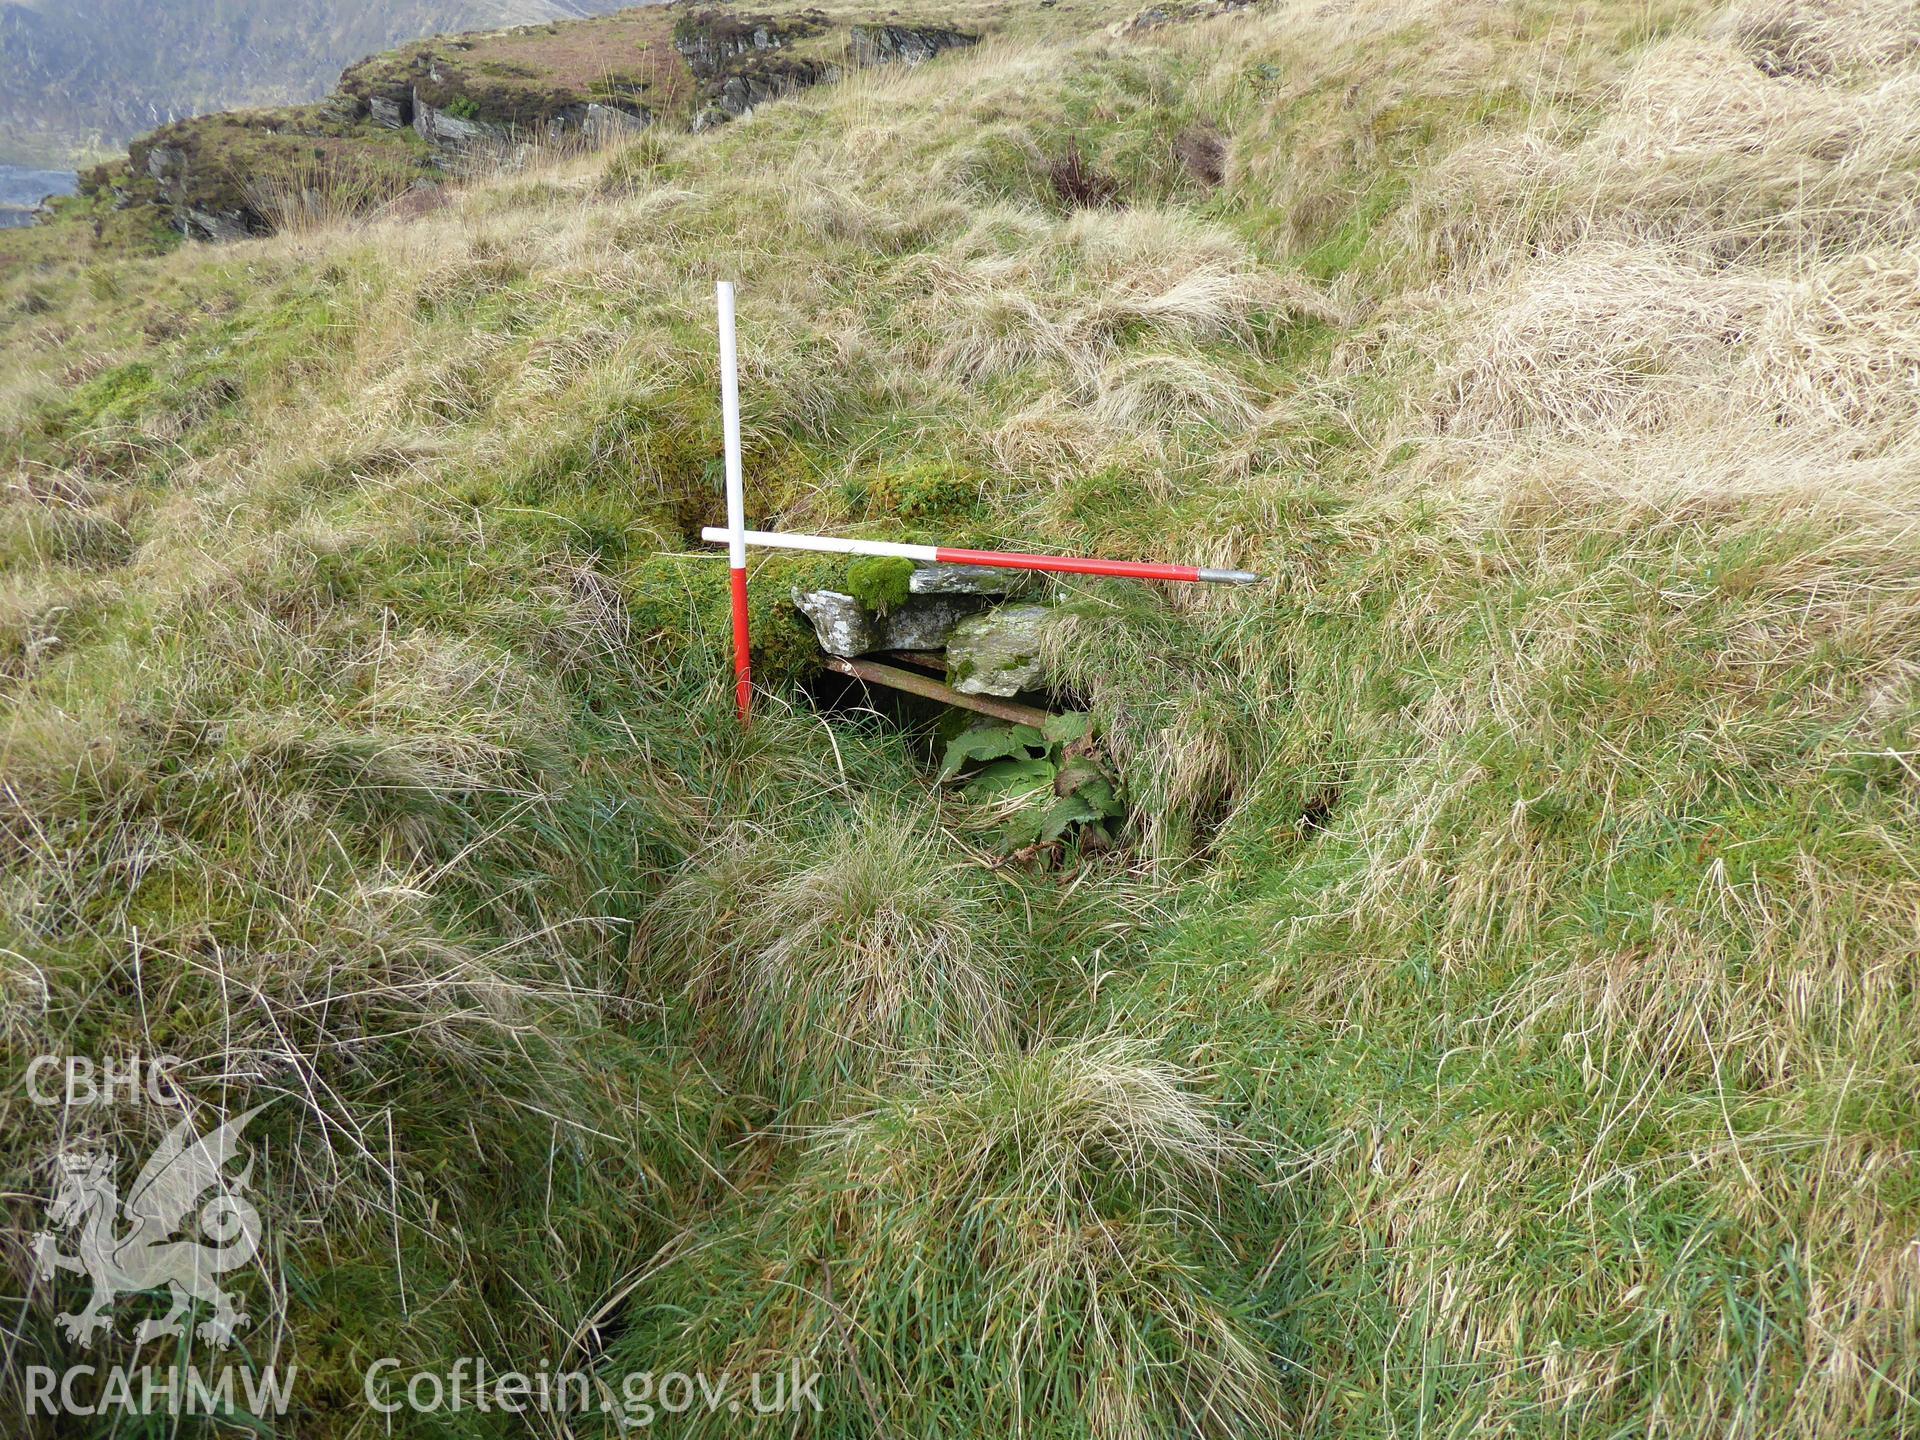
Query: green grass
x,y
1496,1016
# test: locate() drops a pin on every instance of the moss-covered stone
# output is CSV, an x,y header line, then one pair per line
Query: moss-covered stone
x,y
880,582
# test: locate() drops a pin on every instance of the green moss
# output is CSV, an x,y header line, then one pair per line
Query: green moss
x,y
916,490
880,582
117,394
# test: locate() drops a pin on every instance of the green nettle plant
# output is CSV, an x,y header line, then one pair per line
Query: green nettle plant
x,y
1051,782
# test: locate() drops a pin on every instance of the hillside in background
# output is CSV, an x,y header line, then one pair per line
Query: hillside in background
x,y
1497,1010
397,125
83,77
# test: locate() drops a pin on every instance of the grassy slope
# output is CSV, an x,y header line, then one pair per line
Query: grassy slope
x,y
1506,1019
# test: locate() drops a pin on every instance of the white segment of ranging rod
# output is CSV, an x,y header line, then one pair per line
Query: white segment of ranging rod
x,y
828,544
730,420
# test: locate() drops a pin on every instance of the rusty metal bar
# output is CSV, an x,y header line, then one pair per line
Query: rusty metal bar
x,y
933,660
927,688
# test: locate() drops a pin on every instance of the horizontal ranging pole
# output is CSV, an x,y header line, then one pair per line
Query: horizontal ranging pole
x,y
996,559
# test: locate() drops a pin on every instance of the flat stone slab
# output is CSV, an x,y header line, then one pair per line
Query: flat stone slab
x,y
971,580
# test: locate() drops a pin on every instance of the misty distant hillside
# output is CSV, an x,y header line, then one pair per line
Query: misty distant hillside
x,y
85,76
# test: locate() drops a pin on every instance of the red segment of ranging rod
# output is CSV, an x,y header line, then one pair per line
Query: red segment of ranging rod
x,y
1067,565
994,559
742,649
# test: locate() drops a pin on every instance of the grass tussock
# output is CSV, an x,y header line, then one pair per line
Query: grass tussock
x,y
870,954
1036,1212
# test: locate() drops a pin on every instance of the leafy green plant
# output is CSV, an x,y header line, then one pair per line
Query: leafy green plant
x,y
1051,779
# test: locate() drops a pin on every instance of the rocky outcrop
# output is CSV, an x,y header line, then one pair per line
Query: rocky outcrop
x,y
225,177
737,63
902,44
456,105
740,64
757,83
712,42
444,130
201,212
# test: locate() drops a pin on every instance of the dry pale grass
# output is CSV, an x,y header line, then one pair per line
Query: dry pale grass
x,y
1017,291
855,954
1727,305
1826,39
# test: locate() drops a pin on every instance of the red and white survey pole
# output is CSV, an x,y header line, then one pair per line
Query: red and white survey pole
x,y
737,537
736,532
996,559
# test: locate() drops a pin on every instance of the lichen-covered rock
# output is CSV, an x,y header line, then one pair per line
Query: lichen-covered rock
x,y
926,624
847,628
604,124
997,652
903,44
217,226
971,580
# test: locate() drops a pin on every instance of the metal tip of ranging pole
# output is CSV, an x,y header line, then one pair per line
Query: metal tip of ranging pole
x,y
736,537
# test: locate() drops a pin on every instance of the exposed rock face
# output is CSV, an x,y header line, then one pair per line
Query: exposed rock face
x,y
711,41
456,103
735,59
224,177
847,628
200,211
997,652
393,114
902,44
446,131
451,135
760,82
607,122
